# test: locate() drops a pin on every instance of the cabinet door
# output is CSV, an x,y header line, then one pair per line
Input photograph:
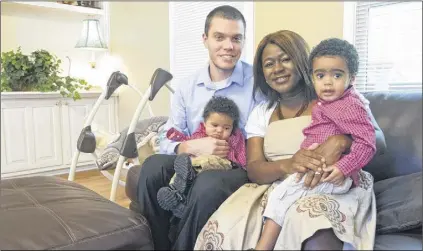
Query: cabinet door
x,y
31,135
74,114
105,119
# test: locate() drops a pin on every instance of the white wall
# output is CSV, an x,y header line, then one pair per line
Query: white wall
x,y
139,36
314,21
57,32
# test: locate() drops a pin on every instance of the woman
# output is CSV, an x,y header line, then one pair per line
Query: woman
x,y
274,132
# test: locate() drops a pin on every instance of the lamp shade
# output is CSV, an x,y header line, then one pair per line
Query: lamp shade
x,y
91,36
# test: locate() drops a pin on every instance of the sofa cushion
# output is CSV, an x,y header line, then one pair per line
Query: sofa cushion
x,y
52,213
399,203
399,115
398,242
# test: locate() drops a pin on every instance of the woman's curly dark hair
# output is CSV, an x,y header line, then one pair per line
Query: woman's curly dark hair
x,y
222,105
336,47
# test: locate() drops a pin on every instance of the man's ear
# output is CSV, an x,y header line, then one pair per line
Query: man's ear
x,y
205,40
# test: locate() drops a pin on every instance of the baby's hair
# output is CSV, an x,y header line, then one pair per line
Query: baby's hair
x,y
224,105
336,47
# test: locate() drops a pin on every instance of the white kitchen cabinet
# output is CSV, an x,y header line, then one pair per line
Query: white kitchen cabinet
x,y
39,131
76,111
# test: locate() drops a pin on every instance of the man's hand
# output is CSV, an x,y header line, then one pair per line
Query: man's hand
x,y
335,177
205,146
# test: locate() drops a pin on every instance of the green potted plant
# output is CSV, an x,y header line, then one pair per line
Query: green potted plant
x,y
39,71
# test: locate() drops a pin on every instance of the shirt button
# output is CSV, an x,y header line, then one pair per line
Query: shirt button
x,y
319,103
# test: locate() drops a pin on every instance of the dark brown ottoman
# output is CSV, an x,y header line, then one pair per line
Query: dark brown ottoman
x,y
53,213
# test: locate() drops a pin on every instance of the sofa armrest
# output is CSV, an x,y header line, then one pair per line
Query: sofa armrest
x,y
131,188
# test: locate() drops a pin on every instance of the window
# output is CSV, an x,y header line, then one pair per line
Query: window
x,y
186,27
388,38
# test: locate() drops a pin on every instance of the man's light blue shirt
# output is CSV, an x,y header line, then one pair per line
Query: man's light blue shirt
x,y
192,95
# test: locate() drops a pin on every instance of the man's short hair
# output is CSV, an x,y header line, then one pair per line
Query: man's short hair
x,y
226,12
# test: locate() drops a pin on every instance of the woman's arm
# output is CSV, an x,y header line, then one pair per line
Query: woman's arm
x,y
334,147
262,171
258,168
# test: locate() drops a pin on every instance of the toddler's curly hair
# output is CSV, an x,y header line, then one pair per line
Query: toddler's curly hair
x,y
222,105
336,47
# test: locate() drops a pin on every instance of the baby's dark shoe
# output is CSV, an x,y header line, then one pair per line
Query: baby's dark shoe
x,y
184,173
171,200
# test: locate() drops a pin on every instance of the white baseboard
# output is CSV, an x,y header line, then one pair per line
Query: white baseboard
x,y
49,172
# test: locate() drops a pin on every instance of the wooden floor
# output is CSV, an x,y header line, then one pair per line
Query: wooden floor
x,y
95,181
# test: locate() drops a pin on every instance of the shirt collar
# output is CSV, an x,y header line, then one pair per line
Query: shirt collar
x,y
237,75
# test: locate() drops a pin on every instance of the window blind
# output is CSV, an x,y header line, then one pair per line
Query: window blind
x,y
186,27
388,38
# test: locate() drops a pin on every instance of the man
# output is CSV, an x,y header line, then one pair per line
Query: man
x,y
224,37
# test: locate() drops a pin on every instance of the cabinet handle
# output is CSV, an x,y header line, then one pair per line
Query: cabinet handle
x,y
59,103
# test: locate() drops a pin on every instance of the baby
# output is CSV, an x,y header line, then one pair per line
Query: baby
x,y
339,110
221,117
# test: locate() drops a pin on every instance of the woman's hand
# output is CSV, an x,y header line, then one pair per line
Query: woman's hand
x,y
313,171
333,148
308,162
304,160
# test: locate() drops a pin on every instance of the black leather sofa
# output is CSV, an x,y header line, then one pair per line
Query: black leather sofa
x,y
397,172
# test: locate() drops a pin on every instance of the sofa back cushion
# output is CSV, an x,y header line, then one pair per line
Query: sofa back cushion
x,y
399,115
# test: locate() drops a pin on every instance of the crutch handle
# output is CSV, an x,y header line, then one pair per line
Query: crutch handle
x,y
116,79
160,78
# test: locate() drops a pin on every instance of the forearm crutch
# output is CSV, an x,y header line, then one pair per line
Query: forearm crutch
x,y
129,148
86,140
